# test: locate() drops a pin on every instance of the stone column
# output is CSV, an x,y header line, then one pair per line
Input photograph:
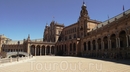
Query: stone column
x,y
91,46
110,44
127,41
28,51
35,51
96,43
117,42
68,49
40,50
45,49
73,49
50,50
86,46
108,39
102,43
77,47
54,50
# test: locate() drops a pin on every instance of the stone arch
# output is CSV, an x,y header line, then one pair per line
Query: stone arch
x,y
123,30
84,44
32,50
99,43
105,40
89,45
113,41
123,41
38,50
94,44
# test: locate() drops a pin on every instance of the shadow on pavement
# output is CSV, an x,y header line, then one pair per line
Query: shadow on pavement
x,y
121,61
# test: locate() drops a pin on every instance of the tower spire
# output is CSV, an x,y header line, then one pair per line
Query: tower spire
x,y
84,12
28,36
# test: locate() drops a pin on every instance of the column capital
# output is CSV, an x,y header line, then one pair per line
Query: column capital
x,y
50,46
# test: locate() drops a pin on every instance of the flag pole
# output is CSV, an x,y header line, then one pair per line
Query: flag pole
x,y
53,18
108,18
123,10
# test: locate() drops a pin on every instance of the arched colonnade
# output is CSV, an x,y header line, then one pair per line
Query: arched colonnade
x,y
38,50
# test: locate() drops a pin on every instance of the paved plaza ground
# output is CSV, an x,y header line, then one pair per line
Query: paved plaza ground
x,y
65,64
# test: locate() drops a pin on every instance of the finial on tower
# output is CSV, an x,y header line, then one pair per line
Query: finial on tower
x,y
84,3
84,12
46,24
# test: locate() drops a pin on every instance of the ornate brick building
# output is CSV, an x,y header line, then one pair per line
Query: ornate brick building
x,y
52,32
86,37
42,46
71,36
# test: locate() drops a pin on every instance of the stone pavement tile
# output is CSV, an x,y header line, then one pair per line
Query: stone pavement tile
x,y
65,64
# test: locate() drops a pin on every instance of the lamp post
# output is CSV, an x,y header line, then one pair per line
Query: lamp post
x,y
18,51
29,50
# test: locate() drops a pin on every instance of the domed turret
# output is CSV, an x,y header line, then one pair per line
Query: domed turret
x,y
84,12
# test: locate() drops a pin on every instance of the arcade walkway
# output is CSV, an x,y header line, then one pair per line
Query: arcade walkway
x,y
65,64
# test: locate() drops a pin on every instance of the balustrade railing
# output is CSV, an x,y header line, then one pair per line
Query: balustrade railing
x,y
10,60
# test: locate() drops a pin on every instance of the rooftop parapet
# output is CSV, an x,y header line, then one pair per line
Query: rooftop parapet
x,y
112,19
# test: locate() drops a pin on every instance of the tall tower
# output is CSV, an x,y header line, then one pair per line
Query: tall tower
x,y
82,21
84,12
45,33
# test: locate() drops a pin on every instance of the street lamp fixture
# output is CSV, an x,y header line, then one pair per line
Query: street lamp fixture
x,y
18,51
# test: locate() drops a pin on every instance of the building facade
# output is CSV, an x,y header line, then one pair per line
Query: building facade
x,y
34,47
52,32
86,37
71,36
92,38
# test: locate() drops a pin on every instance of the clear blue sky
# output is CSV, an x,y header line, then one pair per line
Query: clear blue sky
x,y
18,18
